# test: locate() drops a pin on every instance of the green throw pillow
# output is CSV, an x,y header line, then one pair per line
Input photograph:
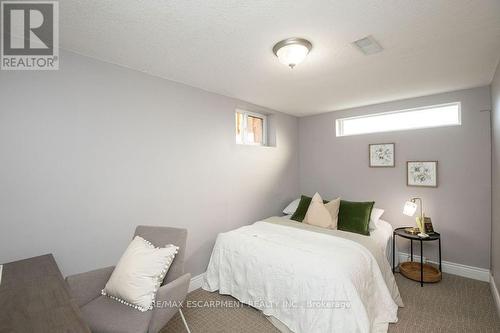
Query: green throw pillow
x,y
355,216
302,208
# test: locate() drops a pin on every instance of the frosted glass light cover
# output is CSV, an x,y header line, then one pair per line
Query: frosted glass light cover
x,y
410,208
292,55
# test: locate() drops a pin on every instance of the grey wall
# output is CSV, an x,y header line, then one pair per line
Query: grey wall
x,y
495,181
460,207
92,150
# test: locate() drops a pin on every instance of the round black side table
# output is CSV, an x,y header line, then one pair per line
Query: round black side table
x,y
432,237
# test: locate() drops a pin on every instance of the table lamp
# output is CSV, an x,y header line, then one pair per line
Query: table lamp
x,y
410,208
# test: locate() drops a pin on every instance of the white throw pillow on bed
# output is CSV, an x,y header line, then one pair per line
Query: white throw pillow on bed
x,y
375,217
322,215
292,207
139,274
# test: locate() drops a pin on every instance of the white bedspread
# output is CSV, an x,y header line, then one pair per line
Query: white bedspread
x,y
310,281
383,237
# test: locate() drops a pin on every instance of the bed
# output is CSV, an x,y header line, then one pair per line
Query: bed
x,y
306,278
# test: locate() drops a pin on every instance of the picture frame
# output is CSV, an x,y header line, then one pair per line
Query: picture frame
x,y
382,155
422,173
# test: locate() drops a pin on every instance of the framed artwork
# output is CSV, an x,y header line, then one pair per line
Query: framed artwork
x,y
381,155
428,228
421,173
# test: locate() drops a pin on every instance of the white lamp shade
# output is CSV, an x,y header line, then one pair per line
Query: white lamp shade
x,y
292,54
410,208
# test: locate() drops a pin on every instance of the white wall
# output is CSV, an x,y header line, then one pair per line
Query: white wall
x,y
92,150
460,207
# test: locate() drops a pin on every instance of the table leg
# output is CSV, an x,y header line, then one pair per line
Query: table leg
x,y
393,252
411,249
421,264
439,241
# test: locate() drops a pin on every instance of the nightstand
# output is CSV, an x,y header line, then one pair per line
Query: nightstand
x,y
417,271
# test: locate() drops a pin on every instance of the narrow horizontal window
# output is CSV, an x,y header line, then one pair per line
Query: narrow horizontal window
x,y
430,116
251,128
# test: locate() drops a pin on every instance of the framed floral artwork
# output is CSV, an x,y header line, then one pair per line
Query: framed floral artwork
x,y
422,173
381,155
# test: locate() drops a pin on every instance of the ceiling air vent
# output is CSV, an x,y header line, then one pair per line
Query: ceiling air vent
x,y
368,45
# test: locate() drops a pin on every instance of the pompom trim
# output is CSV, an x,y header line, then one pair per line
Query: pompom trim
x,y
159,280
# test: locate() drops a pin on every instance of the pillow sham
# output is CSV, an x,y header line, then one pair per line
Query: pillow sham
x,y
139,273
292,207
333,207
375,217
355,216
301,211
321,214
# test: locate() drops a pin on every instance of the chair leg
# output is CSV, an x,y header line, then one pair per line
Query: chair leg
x,y
184,321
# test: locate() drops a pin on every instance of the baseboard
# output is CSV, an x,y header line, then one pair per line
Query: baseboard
x,y
470,272
196,282
494,292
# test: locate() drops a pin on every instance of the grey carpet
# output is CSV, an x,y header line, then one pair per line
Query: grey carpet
x,y
455,304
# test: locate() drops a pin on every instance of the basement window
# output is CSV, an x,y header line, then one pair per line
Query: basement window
x,y
251,128
424,117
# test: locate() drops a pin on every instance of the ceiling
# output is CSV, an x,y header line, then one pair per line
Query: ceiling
x,y
430,46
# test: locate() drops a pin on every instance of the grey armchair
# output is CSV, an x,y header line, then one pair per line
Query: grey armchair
x,y
104,315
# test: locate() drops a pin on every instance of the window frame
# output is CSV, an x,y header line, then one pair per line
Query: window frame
x,y
245,114
339,121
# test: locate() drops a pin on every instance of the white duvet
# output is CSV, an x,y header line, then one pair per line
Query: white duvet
x,y
311,280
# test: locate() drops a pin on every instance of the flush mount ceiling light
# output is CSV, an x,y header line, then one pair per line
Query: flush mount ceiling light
x,y
292,51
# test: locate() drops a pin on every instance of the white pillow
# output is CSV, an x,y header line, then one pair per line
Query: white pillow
x,y
375,216
292,207
139,274
322,215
